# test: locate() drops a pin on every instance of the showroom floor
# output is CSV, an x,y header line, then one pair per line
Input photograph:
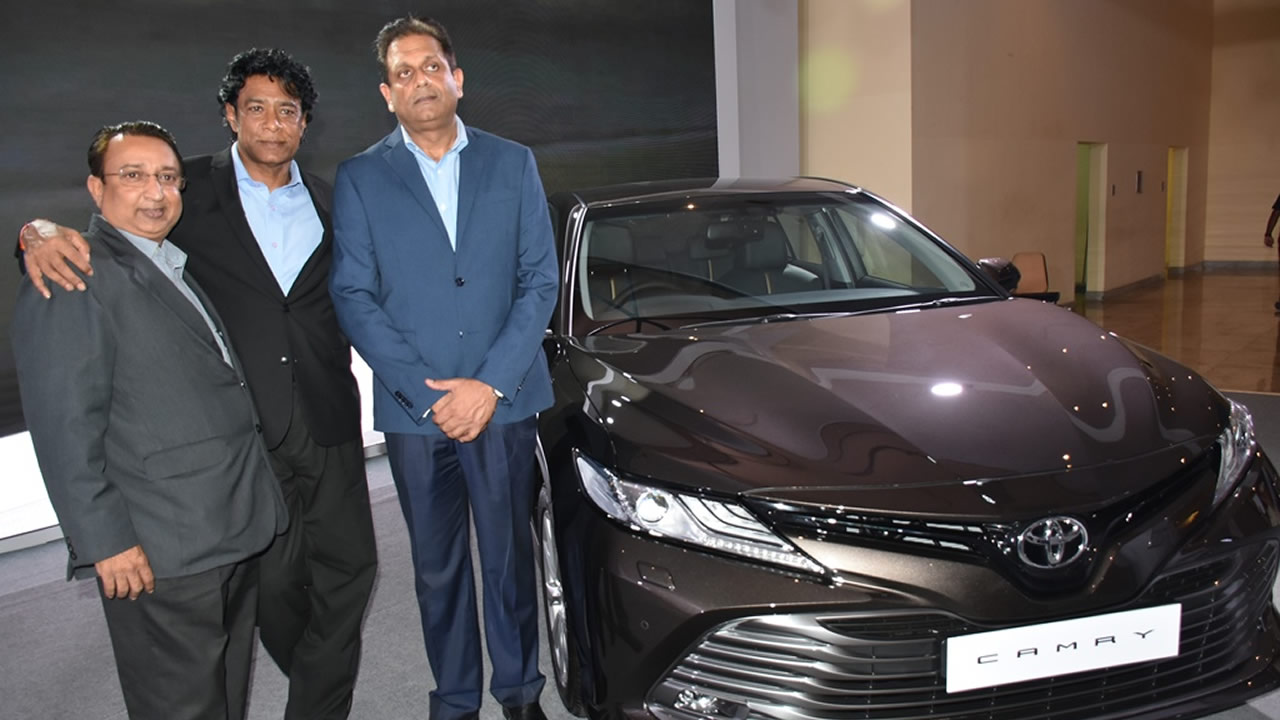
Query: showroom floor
x,y
1223,325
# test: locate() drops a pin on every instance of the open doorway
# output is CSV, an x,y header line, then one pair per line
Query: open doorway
x,y
1091,213
1175,214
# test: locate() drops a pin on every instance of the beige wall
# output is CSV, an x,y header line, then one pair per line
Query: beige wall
x,y
1004,90
855,94
1244,160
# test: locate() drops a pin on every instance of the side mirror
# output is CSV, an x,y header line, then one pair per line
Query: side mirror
x,y
1003,271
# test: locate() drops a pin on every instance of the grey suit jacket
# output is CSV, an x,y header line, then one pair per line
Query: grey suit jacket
x,y
144,435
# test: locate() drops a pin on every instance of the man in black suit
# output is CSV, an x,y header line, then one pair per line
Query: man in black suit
x,y
148,443
258,234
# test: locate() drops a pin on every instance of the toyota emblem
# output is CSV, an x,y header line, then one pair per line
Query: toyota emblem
x,y
1053,542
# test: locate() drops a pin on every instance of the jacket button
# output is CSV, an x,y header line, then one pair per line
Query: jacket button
x,y
459,281
284,361
285,307
257,427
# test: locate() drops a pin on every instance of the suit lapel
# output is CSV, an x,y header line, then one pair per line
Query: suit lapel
x,y
471,176
406,167
149,277
215,318
316,261
227,191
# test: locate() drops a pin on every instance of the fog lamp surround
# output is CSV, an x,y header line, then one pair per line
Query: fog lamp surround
x,y
715,523
707,705
1238,446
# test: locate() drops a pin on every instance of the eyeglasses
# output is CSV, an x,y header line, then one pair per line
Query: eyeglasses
x,y
137,178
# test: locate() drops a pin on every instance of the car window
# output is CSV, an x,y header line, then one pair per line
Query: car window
x,y
753,254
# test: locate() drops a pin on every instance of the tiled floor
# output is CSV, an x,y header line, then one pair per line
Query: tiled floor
x,y
1222,324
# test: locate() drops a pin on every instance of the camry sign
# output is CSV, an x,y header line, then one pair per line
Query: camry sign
x,y
1031,652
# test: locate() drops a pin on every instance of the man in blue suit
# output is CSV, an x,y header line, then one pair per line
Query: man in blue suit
x,y
444,278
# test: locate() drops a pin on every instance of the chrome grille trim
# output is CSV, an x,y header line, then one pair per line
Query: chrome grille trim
x,y
826,666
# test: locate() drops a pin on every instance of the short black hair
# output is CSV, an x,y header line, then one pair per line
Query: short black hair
x,y
411,25
145,128
277,64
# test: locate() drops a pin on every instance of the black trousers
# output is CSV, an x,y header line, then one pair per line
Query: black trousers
x,y
317,577
183,652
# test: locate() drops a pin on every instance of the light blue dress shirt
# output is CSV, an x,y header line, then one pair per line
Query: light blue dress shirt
x,y
442,178
284,221
172,262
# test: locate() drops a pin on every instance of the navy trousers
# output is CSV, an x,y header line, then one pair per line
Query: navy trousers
x,y
439,480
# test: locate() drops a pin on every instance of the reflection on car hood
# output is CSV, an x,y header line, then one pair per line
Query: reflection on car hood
x,y
815,409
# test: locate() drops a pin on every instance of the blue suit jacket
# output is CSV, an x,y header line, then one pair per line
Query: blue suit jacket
x,y
414,308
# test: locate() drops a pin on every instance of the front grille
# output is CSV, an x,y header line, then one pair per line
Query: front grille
x,y
876,666
994,544
839,525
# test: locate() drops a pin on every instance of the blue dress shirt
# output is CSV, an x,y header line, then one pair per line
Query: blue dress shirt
x,y
442,178
284,221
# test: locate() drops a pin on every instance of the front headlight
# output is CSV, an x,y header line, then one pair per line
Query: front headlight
x,y
708,522
1238,446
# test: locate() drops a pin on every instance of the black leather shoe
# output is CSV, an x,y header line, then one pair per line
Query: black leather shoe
x,y
532,711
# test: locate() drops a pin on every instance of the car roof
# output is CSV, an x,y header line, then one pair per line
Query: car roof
x,y
694,187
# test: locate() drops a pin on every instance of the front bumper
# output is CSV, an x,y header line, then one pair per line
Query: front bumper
x,y
655,621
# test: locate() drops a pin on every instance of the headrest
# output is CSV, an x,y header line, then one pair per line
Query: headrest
x,y
765,247
704,248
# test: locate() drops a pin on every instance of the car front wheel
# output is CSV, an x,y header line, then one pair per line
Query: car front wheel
x,y
564,655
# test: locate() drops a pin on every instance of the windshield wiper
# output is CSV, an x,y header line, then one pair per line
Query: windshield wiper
x,y
759,319
942,301
639,320
785,316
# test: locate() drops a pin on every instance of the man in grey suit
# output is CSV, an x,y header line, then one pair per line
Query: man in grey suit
x,y
148,442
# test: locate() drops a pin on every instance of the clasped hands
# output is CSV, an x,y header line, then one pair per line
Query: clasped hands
x,y
466,408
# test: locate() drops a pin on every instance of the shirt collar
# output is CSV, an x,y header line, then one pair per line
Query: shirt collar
x,y
242,174
163,250
459,142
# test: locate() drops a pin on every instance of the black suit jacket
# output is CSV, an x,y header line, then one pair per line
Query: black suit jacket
x,y
288,343
144,434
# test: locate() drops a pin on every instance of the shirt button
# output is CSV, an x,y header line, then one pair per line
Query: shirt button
x,y
459,281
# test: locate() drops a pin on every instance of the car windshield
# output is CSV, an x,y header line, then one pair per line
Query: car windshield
x,y
752,256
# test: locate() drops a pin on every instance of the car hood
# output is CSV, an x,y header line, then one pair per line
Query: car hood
x,y
1008,398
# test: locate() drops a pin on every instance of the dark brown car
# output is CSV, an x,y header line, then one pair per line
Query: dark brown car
x,y
806,461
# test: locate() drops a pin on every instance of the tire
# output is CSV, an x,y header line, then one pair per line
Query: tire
x,y
560,643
